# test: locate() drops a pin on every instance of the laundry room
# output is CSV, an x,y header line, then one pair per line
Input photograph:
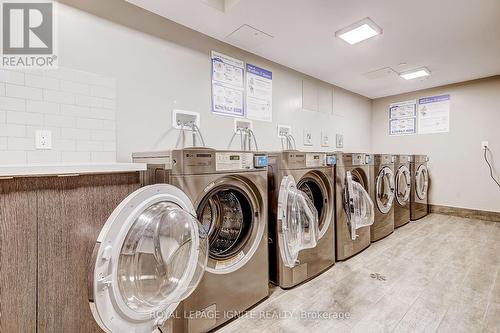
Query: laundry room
x,y
190,166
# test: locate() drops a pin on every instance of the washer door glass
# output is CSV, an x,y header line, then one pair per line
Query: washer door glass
x,y
422,182
403,185
384,190
227,216
315,189
298,227
358,206
151,255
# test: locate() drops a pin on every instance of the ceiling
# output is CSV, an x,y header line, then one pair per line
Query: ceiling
x,y
457,40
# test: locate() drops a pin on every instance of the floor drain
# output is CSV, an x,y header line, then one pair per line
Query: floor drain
x,y
377,276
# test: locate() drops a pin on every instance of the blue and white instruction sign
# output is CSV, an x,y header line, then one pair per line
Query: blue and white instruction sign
x,y
227,85
403,118
259,94
434,114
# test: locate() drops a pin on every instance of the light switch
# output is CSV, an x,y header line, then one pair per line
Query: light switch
x,y
43,139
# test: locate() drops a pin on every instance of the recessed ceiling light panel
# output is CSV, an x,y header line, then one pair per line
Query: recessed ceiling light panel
x,y
416,73
359,31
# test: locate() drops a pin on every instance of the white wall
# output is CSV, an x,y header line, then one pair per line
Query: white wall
x,y
78,108
160,65
460,177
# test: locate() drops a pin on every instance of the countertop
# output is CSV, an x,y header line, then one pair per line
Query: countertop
x,y
66,169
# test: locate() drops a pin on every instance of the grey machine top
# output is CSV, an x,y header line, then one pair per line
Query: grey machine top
x,y
384,159
295,160
204,160
354,159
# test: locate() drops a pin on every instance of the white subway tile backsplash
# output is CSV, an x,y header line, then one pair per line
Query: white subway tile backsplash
x,y
75,87
18,131
90,101
88,123
75,111
80,157
64,145
58,120
15,104
43,156
14,77
99,113
101,91
88,146
75,133
12,90
108,124
99,135
103,156
108,146
42,107
24,118
77,107
55,131
12,157
20,143
39,81
109,104
59,97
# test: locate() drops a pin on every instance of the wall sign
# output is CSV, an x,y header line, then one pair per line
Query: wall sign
x,y
227,85
259,94
403,118
434,114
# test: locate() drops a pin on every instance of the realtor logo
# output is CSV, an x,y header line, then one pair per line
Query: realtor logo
x,y
28,35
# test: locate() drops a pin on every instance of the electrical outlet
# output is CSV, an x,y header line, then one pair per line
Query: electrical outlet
x,y
325,140
339,141
284,130
242,124
308,137
484,144
43,139
180,117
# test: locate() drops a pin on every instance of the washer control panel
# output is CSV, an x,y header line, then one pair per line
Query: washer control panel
x,y
233,161
315,160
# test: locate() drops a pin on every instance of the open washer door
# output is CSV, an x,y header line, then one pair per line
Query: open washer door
x,y
384,190
298,225
403,185
358,206
150,255
422,181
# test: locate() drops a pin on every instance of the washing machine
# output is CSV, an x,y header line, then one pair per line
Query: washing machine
x,y
419,205
403,189
354,206
150,255
384,192
229,194
301,216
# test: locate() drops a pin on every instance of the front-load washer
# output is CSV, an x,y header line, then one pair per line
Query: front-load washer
x,y
229,193
150,255
419,205
353,204
383,198
403,189
301,216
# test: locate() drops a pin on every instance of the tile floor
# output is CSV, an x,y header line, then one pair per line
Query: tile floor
x,y
440,274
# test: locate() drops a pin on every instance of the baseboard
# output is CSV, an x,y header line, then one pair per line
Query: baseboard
x,y
465,212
